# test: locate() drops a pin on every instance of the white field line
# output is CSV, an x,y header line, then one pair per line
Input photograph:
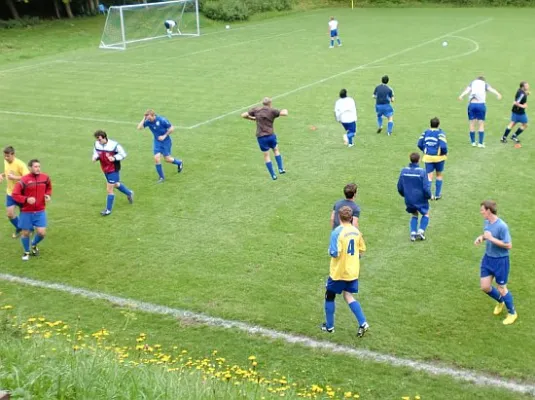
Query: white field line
x,y
58,116
31,66
459,374
363,66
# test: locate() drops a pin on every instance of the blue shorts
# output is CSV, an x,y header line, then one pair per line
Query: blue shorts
x,y
498,267
384,110
434,166
163,148
113,177
422,209
350,126
477,111
334,33
166,24
267,142
342,286
29,220
10,202
519,118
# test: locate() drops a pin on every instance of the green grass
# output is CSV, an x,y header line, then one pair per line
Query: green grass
x,y
224,240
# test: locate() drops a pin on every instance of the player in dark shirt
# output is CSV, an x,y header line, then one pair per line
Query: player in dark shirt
x,y
267,139
518,115
384,96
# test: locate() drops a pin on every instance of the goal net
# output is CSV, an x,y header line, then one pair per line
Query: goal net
x,y
141,22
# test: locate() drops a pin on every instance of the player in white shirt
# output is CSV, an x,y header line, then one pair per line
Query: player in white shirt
x,y
477,109
345,112
333,32
169,25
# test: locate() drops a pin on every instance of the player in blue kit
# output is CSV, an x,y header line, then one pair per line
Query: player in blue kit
x,y
384,96
518,115
495,262
161,128
415,188
433,143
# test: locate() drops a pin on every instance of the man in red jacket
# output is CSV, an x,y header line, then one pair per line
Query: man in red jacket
x,y
33,191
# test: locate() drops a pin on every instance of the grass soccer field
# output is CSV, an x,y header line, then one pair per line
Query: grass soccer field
x,y
224,240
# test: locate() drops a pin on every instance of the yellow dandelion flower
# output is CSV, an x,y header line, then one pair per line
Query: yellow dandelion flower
x,y
76,347
356,396
32,319
417,398
252,358
184,352
405,398
42,319
7,307
347,395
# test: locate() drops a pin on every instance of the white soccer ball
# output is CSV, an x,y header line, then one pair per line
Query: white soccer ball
x,y
444,44
227,27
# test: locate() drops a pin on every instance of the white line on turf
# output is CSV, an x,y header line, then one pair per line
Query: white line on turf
x,y
31,66
429,368
363,66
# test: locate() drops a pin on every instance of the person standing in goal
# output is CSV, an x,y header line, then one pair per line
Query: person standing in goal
x,y
169,26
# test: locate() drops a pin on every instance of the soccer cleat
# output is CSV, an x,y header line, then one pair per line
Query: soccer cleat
x,y
413,236
421,234
340,45
503,140
35,251
474,144
389,133
481,145
363,329
274,177
180,167
351,145
105,213
379,129
131,197
510,319
331,47
25,256
16,234
282,171
160,180
499,308
437,197
325,329
515,139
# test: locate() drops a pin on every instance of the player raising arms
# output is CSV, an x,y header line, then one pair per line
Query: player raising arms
x,y
433,144
161,129
477,108
384,96
518,115
32,191
333,32
14,170
264,117
110,154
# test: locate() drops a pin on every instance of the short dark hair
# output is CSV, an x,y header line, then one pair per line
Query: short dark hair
x,y
33,161
343,94
435,122
350,190
9,150
481,78
415,158
346,214
100,133
385,79
490,205
522,84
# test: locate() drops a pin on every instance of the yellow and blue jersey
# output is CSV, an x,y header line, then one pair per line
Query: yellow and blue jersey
x,y
16,167
345,248
434,145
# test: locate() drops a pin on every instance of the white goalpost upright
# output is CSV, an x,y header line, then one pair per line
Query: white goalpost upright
x,y
141,22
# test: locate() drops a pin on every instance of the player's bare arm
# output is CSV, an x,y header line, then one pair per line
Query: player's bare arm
x,y
247,116
284,113
500,243
140,125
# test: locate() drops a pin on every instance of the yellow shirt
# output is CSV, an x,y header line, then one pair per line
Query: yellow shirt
x,y
345,247
18,168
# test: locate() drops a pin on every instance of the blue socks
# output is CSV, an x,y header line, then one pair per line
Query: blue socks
x,y
481,137
438,187
414,224
518,132
269,166
37,239
339,42
25,244
177,161
424,222
159,169
389,128
15,222
123,189
109,201
332,43
495,294
508,300
472,136
379,122
279,163
350,136
329,314
357,310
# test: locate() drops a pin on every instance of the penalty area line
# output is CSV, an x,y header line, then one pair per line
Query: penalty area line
x,y
459,374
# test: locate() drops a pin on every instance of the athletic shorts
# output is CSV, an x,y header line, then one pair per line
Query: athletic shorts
x,y
113,177
10,201
334,33
267,142
384,110
342,286
498,267
350,126
422,209
29,220
434,166
519,118
163,148
477,111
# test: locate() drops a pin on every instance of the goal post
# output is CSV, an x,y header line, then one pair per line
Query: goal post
x,y
141,22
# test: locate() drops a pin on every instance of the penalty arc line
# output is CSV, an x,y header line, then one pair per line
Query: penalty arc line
x,y
363,66
459,374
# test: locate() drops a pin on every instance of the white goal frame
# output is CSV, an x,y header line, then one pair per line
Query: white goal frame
x,y
121,45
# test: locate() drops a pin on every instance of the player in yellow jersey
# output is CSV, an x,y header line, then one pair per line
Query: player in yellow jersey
x,y
345,249
14,169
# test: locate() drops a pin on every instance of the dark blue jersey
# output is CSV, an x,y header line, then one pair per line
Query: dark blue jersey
x,y
521,97
383,94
